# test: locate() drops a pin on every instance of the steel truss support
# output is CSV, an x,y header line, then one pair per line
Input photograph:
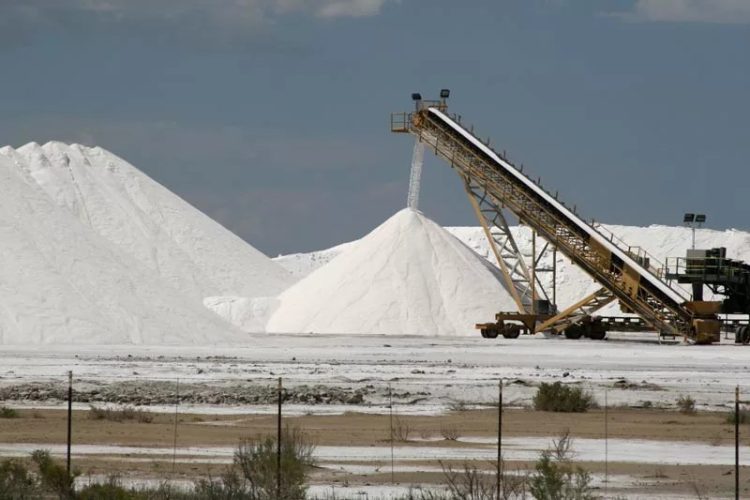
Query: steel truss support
x,y
518,278
578,311
503,246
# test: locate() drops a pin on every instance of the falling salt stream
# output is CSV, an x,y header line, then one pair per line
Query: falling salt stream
x,y
415,177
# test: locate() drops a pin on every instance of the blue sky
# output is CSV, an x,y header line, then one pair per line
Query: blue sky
x,y
272,115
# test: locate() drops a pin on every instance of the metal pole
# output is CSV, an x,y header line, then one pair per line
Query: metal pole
x,y
606,442
499,438
174,437
737,443
278,444
533,272
554,276
390,406
70,418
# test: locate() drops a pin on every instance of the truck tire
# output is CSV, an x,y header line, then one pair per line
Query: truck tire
x,y
489,333
742,335
511,331
597,334
573,333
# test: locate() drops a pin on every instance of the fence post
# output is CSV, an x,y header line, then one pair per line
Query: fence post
x,y
278,443
174,436
390,406
737,442
499,438
606,442
70,418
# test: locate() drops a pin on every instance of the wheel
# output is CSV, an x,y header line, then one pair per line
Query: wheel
x,y
511,331
595,330
745,337
489,333
573,333
597,334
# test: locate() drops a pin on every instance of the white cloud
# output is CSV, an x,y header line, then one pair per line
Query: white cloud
x,y
207,24
350,8
691,11
235,10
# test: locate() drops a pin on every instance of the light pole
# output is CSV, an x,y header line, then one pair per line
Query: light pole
x,y
692,221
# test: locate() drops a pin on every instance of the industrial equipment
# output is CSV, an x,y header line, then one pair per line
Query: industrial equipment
x,y
627,274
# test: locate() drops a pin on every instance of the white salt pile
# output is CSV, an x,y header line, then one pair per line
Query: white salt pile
x,y
144,219
407,277
60,282
94,251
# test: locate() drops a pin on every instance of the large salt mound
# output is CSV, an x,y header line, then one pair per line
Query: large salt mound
x,y
407,277
60,282
144,219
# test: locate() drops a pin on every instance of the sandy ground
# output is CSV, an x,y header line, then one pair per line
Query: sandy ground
x,y
649,451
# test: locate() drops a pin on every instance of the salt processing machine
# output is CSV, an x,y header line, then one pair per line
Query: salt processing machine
x,y
642,286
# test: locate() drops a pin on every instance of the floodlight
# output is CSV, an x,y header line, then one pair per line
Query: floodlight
x,y
445,93
416,96
689,218
700,218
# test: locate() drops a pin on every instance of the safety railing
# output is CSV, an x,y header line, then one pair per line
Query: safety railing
x,y
707,268
642,257
400,122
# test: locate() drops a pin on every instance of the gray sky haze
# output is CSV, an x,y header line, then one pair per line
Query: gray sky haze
x,y
272,116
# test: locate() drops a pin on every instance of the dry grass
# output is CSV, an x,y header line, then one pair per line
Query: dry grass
x,y
121,414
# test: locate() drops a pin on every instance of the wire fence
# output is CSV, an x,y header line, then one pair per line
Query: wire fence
x,y
388,433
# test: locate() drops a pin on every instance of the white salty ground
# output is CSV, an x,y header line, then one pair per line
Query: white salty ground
x,y
449,369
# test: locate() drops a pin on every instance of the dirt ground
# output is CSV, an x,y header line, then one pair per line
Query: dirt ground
x,y
359,429
362,429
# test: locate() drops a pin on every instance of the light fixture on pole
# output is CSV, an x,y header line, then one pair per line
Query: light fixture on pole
x,y
692,221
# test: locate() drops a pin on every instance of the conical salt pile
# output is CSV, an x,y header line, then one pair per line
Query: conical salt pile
x,y
407,277
61,283
147,221
94,251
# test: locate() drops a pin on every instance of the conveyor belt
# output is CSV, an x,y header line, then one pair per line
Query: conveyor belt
x,y
623,273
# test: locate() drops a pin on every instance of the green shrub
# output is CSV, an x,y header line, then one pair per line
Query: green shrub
x,y
120,414
686,405
562,398
253,472
255,460
53,476
557,478
744,417
111,490
6,412
16,482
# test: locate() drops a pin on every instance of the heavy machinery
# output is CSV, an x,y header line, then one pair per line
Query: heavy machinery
x,y
729,278
627,274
